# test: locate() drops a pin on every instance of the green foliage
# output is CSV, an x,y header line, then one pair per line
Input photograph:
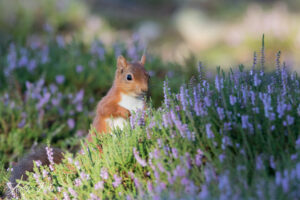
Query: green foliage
x,y
236,136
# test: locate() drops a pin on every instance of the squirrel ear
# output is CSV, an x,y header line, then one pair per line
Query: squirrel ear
x,y
121,62
143,59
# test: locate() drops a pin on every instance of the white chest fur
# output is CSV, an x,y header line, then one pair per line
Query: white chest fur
x,y
131,103
118,122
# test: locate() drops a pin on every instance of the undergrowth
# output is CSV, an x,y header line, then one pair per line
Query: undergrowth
x,y
235,136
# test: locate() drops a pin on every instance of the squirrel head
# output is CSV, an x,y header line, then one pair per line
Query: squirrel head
x,y
131,77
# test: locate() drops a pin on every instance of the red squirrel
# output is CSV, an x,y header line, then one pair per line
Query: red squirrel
x,y
125,96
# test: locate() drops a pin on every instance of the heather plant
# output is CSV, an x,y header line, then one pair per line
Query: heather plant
x,y
235,136
49,90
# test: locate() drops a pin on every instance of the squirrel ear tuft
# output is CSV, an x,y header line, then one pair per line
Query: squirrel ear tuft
x,y
143,59
121,62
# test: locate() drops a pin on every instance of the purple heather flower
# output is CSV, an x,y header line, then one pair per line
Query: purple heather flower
x,y
166,94
84,176
166,150
179,171
227,126
94,197
156,153
252,95
60,79
224,183
207,101
45,173
272,116
266,99
217,83
221,113
79,96
298,170
244,94
132,121
188,162
141,118
37,178
198,157
294,156
45,99
281,107
246,124
77,182
49,151
99,185
71,123
183,128
232,99
60,41
175,153
38,163
138,158
53,88
285,183
66,196
104,173
196,102
44,55
204,194
22,123
76,163
70,160
72,192
117,181
79,107
209,174
278,178
55,101
222,157
209,132
226,141
269,89
79,69
23,61
289,121
31,65
183,98
149,187
166,120
257,81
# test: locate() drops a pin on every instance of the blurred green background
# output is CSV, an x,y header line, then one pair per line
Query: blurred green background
x,y
216,32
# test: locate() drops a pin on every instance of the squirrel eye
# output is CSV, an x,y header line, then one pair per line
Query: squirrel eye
x,y
129,77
